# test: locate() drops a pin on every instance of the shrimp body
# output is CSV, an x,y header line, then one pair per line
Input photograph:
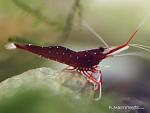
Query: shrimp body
x,y
80,60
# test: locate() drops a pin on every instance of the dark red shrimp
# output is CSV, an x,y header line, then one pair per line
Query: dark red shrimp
x,y
86,62
82,61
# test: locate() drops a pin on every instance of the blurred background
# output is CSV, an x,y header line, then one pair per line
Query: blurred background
x,y
59,22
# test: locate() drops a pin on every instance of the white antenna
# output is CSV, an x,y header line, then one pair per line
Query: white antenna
x,y
129,54
140,47
85,24
148,47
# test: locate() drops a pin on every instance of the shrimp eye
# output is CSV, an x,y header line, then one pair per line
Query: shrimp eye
x,y
102,49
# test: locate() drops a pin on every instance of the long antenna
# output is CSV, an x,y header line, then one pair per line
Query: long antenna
x,y
129,54
137,29
140,47
85,24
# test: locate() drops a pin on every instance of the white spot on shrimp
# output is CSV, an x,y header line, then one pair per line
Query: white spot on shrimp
x,y
29,44
85,55
63,53
57,47
95,53
77,57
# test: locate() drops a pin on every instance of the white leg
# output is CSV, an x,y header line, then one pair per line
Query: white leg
x,y
99,89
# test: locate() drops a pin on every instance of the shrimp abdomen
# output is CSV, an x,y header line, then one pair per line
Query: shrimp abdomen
x,y
56,53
